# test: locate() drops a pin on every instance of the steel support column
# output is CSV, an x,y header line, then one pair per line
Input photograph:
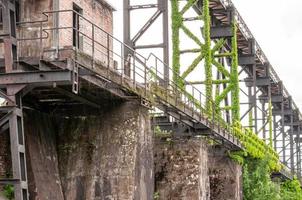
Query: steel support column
x,y
17,140
298,154
291,135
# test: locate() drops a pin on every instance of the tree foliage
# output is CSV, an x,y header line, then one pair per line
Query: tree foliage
x,y
257,183
291,190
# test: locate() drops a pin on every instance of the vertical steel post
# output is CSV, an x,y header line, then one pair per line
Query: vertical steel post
x,y
163,5
254,99
127,38
297,140
291,132
283,131
275,132
251,124
299,152
270,116
264,116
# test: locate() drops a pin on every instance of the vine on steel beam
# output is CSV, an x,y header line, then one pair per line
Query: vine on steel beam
x,y
176,24
209,55
234,77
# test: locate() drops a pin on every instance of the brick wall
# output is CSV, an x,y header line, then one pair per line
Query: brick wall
x,y
93,10
31,10
96,13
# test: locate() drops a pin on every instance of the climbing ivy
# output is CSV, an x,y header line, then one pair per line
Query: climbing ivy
x,y
255,147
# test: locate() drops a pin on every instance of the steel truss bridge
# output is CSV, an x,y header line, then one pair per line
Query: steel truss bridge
x,y
220,84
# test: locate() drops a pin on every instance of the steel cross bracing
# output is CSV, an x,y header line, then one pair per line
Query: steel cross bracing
x,y
161,9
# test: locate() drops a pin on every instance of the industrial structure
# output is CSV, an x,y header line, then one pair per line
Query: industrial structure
x,y
61,57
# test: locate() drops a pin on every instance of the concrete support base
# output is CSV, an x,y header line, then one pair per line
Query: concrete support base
x,y
107,156
225,176
192,170
181,170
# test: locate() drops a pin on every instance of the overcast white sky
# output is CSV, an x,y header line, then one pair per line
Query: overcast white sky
x,y
276,25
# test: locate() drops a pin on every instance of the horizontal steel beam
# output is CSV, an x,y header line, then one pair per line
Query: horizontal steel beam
x,y
277,98
246,60
263,81
285,112
62,77
221,32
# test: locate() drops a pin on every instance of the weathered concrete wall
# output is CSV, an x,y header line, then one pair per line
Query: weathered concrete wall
x,y
225,176
108,156
181,170
42,159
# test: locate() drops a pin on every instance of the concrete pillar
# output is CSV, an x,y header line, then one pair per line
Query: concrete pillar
x,y
105,156
225,176
181,170
193,170
108,156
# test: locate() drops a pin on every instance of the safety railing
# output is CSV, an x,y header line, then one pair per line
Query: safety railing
x,y
94,48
